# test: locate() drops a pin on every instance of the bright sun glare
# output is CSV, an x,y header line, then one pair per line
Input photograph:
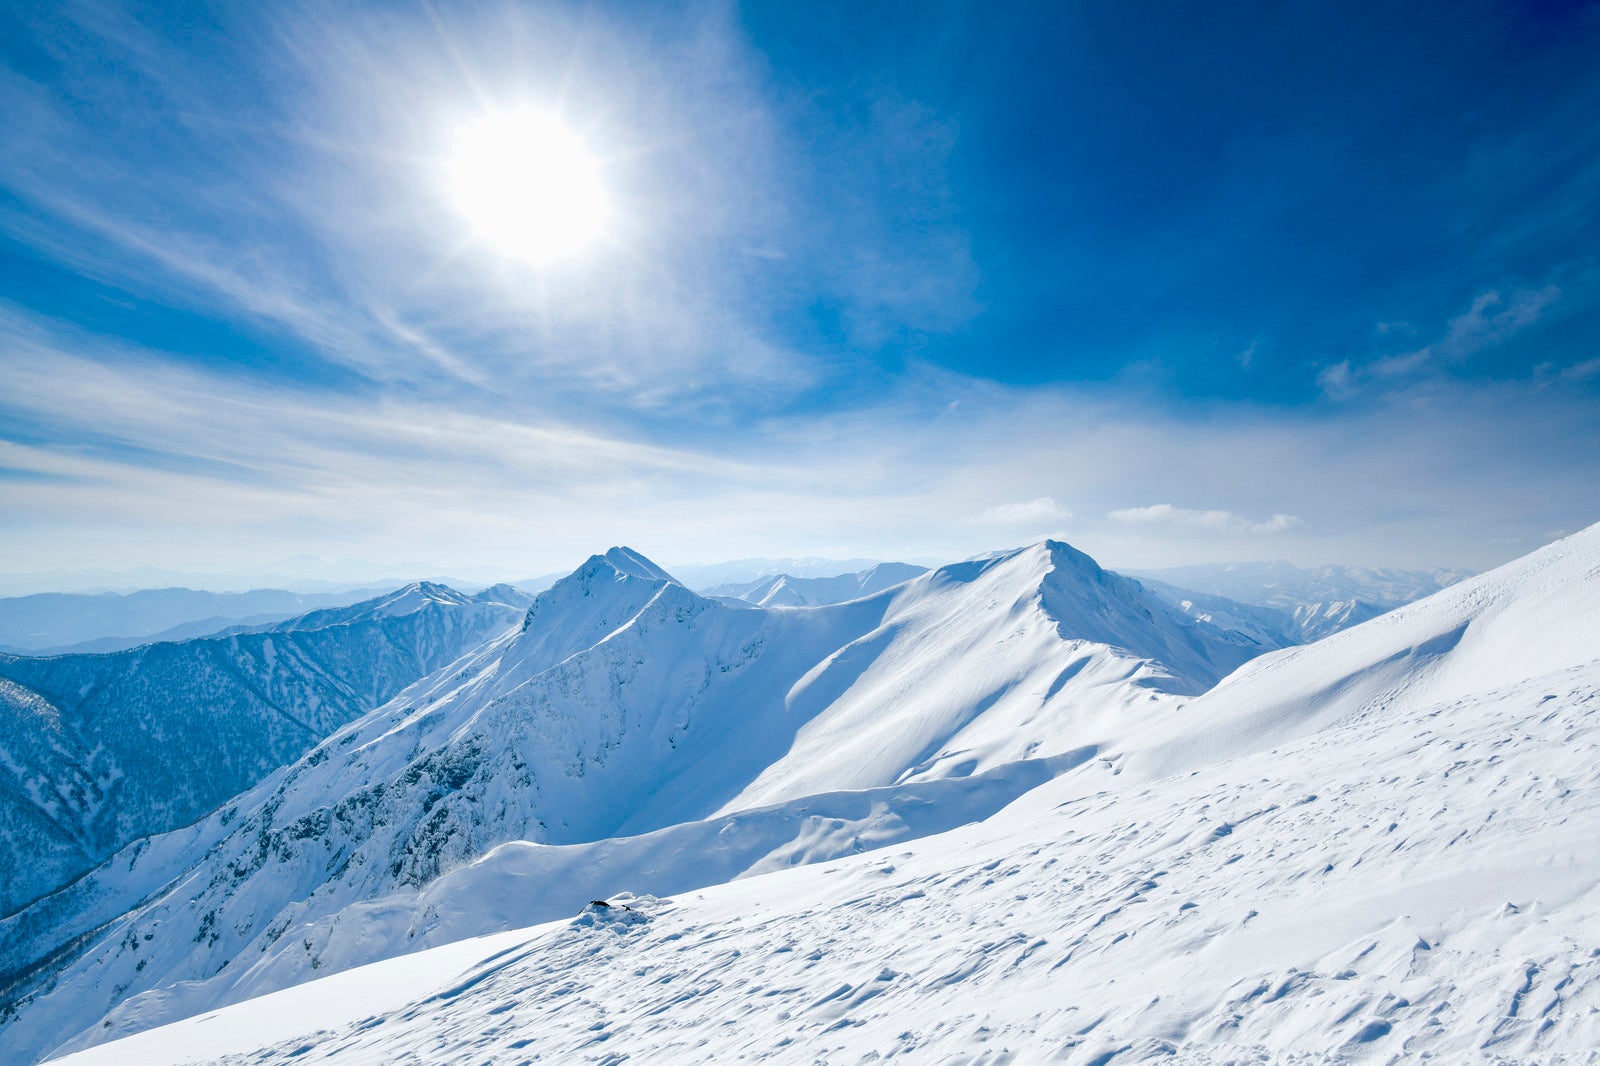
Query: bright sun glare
x,y
527,185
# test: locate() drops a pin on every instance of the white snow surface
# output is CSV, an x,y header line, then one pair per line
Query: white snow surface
x,y
1378,848
714,740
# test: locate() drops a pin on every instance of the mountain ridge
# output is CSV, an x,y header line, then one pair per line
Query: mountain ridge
x,y
627,704
150,738
52,623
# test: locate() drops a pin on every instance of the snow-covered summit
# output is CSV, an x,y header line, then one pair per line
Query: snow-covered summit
x,y
602,595
630,563
409,599
503,593
1091,603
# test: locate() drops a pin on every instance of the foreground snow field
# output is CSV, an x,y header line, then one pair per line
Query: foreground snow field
x,y
1375,848
1424,887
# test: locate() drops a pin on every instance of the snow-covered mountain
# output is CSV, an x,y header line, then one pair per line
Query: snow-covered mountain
x,y
786,590
1378,847
1270,627
99,750
1298,605
418,596
625,706
1281,584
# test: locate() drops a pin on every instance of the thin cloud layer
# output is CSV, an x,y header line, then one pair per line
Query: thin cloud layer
x,y
1490,321
1218,521
1042,509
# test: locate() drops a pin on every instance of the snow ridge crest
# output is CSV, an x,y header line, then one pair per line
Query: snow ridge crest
x,y
625,560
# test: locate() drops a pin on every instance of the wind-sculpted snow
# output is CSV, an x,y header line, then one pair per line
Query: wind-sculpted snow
x,y
99,750
626,705
1383,852
522,883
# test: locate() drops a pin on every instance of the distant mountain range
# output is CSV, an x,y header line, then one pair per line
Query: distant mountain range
x,y
1318,601
787,590
1301,605
99,750
737,571
53,623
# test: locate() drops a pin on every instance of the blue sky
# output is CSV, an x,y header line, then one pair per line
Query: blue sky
x,y
1316,282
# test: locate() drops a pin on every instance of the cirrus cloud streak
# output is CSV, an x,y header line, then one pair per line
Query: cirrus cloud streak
x,y
1215,520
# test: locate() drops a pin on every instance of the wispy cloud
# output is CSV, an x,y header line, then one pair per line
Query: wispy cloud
x,y
210,468
1217,521
1338,380
1041,509
136,409
1491,320
1586,370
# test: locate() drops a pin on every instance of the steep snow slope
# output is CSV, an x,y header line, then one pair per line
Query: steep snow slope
x,y
97,750
1382,852
1534,615
519,883
981,663
786,590
625,705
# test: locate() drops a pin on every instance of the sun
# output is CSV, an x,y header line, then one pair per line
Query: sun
x,y
527,185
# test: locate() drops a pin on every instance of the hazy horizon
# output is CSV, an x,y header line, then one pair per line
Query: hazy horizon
x,y
308,574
